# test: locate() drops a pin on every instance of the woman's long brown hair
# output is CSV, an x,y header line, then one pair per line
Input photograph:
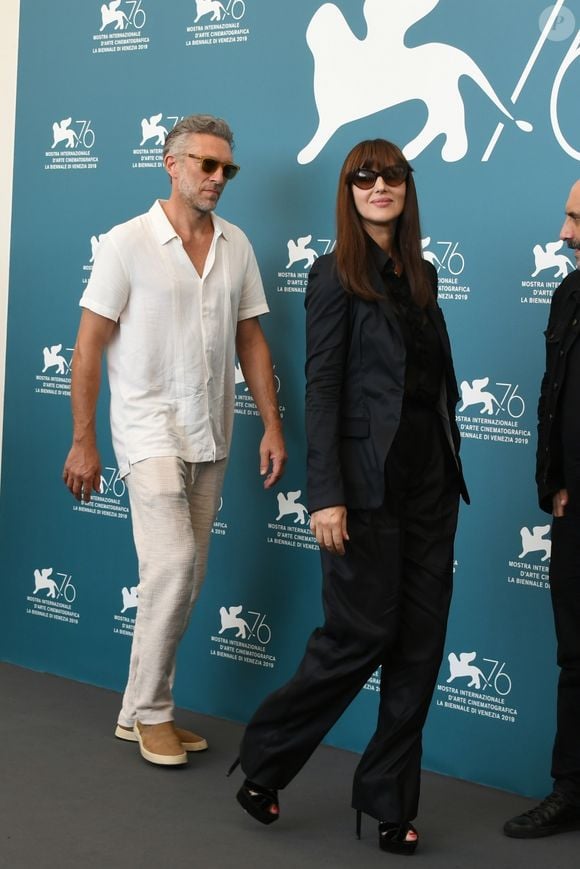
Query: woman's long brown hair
x,y
351,240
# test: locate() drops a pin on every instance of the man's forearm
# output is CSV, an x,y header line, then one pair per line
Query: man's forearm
x,y
85,385
256,363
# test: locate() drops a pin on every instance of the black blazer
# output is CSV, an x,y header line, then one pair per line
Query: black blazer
x,y
562,332
355,377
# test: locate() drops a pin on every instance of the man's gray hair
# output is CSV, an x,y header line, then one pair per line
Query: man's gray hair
x,y
175,141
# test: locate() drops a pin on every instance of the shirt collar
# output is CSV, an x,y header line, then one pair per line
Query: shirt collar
x,y
163,228
382,260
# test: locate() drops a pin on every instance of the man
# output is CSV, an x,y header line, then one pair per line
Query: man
x,y
173,294
558,479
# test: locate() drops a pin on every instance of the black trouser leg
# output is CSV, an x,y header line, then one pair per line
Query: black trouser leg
x,y
565,589
387,780
361,600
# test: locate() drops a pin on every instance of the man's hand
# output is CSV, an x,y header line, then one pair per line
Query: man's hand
x,y
256,364
82,471
329,527
559,502
272,455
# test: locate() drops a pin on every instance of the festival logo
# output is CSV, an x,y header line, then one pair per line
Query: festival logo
x,y
530,569
121,26
55,375
358,77
299,251
536,541
495,415
72,144
477,686
243,637
218,23
111,501
124,625
130,597
54,359
292,526
53,595
153,130
447,258
301,254
550,267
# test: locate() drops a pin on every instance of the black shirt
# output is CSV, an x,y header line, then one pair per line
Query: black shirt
x,y
425,363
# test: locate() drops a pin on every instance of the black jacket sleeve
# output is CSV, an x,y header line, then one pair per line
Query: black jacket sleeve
x,y
327,341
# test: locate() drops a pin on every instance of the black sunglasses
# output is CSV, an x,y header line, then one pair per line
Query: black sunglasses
x,y
391,175
210,164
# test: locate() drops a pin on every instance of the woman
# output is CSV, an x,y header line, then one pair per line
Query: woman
x,y
384,480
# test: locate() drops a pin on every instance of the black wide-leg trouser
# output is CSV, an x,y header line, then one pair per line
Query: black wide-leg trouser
x,y
386,603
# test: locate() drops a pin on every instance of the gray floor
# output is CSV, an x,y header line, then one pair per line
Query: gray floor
x,y
73,796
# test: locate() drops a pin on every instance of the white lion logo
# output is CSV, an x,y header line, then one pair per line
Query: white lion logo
x,y
534,541
473,394
53,359
461,667
61,133
42,579
130,597
151,129
288,505
355,78
230,618
204,7
110,15
298,250
548,259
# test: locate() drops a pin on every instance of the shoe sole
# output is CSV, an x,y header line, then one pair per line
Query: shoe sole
x,y
129,736
160,759
541,834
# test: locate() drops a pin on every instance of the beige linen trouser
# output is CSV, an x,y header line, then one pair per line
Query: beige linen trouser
x,y
173,506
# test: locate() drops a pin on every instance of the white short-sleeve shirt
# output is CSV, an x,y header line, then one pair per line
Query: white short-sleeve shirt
x,y
171,358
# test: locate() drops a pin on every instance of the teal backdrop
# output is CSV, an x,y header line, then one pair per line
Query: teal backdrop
x,y
484,97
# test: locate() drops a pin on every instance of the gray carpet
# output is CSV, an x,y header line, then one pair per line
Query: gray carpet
x,y
71,795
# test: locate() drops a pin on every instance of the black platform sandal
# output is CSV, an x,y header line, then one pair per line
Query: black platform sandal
x,y
261,803
393,838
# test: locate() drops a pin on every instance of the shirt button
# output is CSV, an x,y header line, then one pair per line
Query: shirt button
x,y
555,386
561,353
574,322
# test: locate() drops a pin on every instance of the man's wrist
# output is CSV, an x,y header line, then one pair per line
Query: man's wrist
x,y
273,425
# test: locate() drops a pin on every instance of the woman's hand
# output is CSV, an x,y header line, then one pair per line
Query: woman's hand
x,y
329,527
559,503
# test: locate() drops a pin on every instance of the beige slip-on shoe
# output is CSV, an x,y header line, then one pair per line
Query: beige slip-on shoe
x,y
189,740
159,744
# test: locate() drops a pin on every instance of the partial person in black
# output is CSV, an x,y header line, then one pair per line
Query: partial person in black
x,y
384,480
558,481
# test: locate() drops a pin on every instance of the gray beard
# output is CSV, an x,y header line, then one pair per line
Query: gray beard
x,y
575,245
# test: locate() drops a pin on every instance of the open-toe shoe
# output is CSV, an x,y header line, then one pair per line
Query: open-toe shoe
x,y
261,803
393,838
